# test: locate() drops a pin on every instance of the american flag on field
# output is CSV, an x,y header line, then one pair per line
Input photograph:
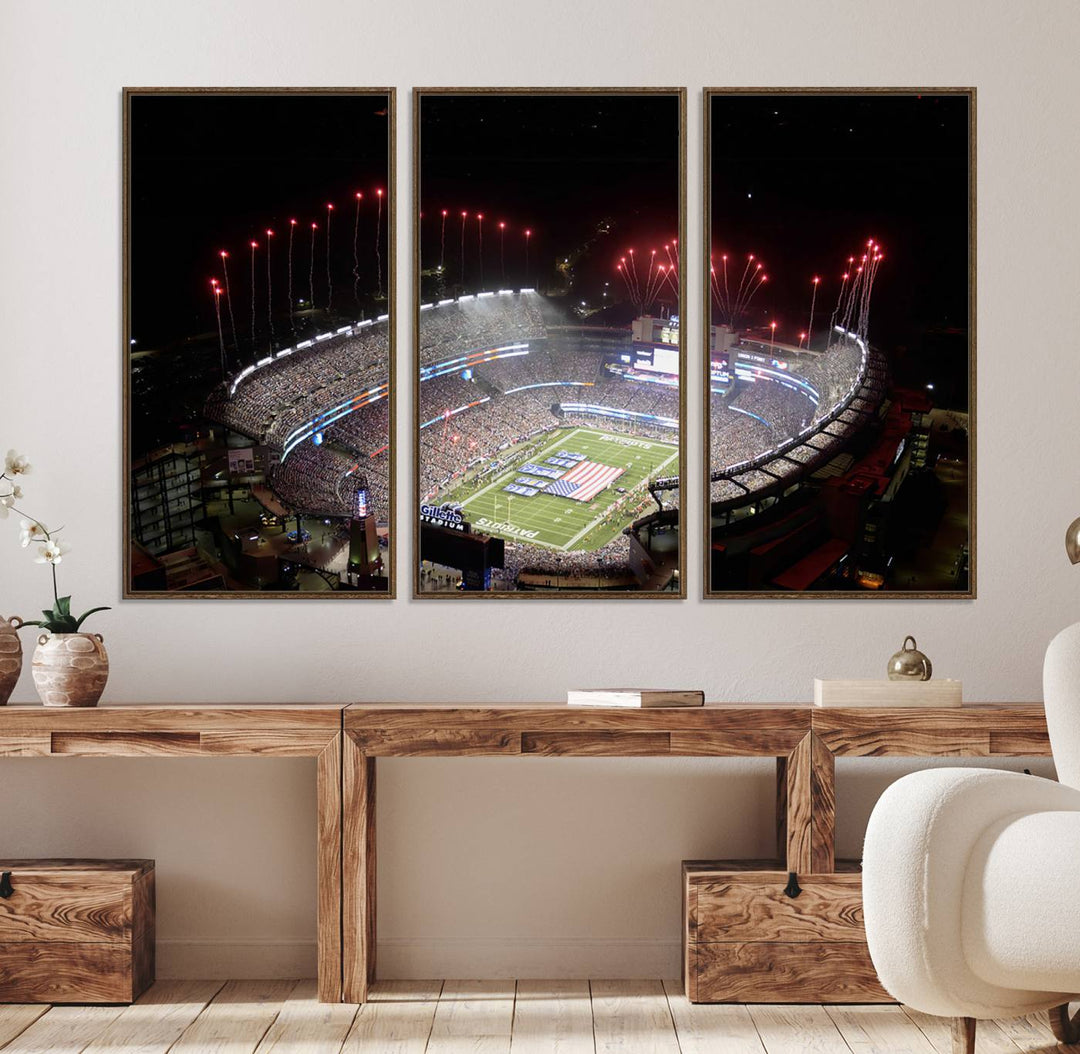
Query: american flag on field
x,y
585,481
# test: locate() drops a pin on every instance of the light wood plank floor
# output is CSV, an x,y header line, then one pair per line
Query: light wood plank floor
x,y
484,1017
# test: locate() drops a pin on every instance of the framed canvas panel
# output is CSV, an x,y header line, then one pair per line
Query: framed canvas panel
x,y
258,342
549,359
839,382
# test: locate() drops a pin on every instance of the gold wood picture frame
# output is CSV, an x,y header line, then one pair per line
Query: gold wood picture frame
x,y
259,267
524,357
839,343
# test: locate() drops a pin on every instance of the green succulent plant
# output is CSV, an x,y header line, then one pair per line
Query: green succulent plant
x,y
60,619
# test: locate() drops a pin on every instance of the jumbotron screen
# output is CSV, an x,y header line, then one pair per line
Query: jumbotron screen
x,y
661,360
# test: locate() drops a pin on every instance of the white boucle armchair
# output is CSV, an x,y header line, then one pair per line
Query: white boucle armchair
x,y
971,880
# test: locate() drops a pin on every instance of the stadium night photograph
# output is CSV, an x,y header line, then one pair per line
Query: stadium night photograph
x,y
259,342
839,423
549,349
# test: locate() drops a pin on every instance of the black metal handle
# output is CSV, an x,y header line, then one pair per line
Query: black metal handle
x,y
792,889
5,885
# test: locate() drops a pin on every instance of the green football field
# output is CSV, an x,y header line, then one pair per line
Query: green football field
x,y
560,523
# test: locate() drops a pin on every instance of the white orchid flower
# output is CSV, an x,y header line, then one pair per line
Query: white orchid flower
x,y
8,500
52,552
16,464
31,531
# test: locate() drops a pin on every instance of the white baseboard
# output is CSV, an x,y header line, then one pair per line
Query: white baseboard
x,y
416,958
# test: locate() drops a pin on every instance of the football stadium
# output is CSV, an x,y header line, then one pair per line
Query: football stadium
x,y
260,350
548,449
821,473
839,349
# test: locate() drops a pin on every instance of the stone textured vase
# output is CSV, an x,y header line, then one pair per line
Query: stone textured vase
x,y
70,669
10,656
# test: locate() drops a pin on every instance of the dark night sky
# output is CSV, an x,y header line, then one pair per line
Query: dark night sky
x,y
804,181
558,164
214,171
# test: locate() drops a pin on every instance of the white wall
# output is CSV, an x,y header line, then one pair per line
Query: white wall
x,y
545,866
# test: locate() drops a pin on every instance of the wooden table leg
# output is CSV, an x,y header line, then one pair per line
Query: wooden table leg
x,y
358,888
329,867
806,807
823,793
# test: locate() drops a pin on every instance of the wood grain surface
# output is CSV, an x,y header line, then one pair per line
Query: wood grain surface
x,y
786,972
752,906
71,972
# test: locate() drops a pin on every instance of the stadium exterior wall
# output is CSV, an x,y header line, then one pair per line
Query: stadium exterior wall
x,y
583,851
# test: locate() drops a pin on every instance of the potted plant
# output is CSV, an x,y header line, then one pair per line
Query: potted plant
x,y
70,667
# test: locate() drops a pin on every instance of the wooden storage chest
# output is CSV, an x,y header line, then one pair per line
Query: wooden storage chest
x,y
76,931
747,940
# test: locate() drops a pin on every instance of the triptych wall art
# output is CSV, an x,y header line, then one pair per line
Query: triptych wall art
x,y
548,343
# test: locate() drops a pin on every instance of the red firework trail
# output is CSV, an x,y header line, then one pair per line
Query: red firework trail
x,y
461,272
217,312
329,279
355,251
269,291
378,243
311,269
442,244
254,246
228,300
840,295
480,244
813,301
742,282
292,232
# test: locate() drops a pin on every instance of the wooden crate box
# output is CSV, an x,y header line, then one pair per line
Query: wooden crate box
x,y
76,931
746,940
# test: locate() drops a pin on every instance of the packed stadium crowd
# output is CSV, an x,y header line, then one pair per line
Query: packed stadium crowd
x,y
318,481
849,390
505,401
276,398
466,325
611,558
522,395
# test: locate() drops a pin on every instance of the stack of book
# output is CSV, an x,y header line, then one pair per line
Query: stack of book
x,y
633,697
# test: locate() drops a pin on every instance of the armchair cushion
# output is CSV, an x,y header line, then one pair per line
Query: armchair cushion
x,y
921,840
1021,903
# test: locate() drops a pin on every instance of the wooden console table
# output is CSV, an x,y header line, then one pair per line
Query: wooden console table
x,y
347,740
805,740
207,730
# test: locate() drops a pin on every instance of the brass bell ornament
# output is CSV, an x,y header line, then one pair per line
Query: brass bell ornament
x,y
909,664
